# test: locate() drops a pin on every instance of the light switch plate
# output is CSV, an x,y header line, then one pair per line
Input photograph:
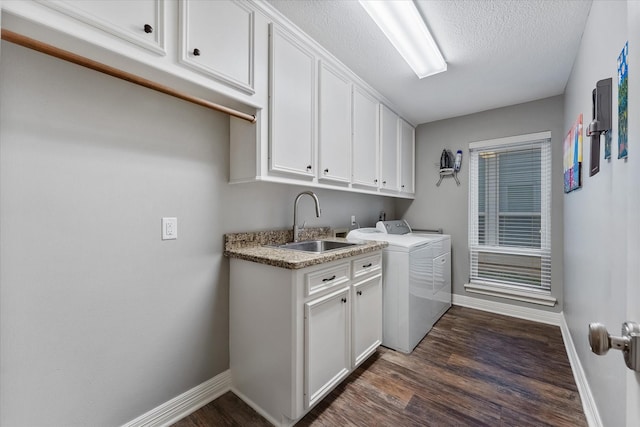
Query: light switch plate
x,y
169,228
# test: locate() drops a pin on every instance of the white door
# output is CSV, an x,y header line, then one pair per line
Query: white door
x,y
292,114
334,133
367,318
327,344
388,149
217,39
366,139
633,223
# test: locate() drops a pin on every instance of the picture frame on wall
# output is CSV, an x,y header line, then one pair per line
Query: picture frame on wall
x,y
572,160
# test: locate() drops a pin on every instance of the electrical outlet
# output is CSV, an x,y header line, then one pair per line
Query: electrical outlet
x,y
169,228
353,220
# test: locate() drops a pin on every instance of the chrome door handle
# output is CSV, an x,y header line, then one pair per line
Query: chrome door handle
x,y
601,341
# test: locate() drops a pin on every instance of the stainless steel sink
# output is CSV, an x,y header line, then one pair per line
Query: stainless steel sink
x,y
316,246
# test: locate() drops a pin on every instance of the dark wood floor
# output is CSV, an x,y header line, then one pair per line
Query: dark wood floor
x,y
473,369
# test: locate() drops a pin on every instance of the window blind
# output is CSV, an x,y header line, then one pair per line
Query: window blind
x,y
510,212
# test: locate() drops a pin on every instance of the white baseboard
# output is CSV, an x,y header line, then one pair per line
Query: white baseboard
x,y
526,313
557,319
184,404
588,403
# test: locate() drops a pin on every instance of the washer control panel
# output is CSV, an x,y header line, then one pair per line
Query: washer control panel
x,y
399,226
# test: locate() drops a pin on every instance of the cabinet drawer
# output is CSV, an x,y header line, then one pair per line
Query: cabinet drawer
x,y
366,265
326,278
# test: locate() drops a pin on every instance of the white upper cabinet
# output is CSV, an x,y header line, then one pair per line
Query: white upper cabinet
x,y
334,133
365,139
292,101
388,149
217,38
407,157
140,22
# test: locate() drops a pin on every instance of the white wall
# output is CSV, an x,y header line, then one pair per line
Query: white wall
x,y
595,216
447,206
100,320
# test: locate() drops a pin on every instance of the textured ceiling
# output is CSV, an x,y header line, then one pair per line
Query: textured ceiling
x,y
499,52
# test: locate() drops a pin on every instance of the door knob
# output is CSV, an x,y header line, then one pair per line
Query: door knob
x,y
601,341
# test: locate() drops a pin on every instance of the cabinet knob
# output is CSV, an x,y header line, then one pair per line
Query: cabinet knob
x,y
375,181
326,170
402,186
196,52
148,29
359,292
308,168
344,300
384,182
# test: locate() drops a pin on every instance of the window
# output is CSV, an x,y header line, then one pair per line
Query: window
x,y
510,213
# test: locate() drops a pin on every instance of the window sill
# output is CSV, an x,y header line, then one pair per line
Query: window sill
x,y
534,297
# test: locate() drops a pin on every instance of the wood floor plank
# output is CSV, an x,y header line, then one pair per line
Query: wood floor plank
x,y
473,369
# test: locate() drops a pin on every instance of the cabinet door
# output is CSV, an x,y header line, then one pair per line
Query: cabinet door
x,y
140,22
292,101
218,39
389,149
365,139
334,138
407,157
327,344
367,318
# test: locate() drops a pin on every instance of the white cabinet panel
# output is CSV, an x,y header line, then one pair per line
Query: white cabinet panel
x,y
334,125
367,318
292,96
140,22
365,139
218,39
327,347
407,157
388,149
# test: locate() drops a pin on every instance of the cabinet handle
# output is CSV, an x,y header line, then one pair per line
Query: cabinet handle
x,y
384,182
326,170
367,265
344,300
308,168
148,29
359,292
196,52
328,279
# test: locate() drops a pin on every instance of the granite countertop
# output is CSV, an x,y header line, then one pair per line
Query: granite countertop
x,y
254,246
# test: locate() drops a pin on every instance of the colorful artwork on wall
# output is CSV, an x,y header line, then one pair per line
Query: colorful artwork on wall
x,y
573,157
623,90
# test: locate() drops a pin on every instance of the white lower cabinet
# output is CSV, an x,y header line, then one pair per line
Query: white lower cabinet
x,y
296,334
326,335
367,318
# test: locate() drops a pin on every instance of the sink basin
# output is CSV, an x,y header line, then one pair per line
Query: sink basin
x,y
316,246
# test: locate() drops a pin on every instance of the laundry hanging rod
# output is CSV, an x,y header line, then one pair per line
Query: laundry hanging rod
x,y
30,43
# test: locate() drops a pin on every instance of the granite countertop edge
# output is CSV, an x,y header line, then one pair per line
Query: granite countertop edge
x,y
255,247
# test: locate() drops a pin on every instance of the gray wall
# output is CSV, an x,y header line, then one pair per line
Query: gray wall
x,y
100,320
447,206
595,216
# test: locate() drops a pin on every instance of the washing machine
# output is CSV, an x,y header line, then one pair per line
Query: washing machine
x,y
416,281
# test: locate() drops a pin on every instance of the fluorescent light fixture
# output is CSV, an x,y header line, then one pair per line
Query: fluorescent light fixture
x,y
401,22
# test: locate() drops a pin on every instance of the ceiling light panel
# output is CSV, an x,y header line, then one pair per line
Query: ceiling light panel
x,y
401,22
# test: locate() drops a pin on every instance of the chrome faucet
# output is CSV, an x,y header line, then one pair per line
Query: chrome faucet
x,y
295,211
